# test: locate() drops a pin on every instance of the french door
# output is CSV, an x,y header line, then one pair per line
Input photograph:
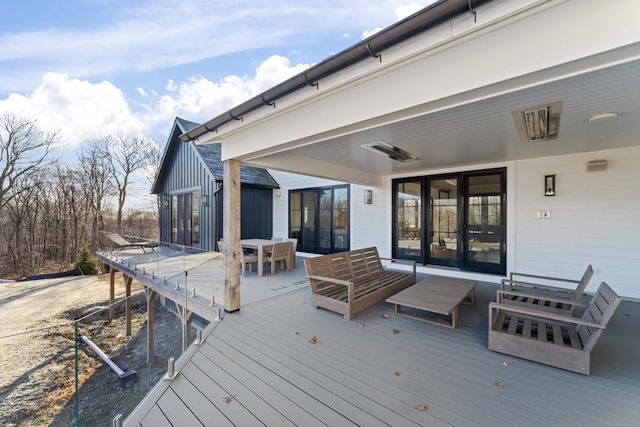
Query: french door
x,y
185,219
462,226
319,219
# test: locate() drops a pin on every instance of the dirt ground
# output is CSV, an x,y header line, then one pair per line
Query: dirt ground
x,y
37,375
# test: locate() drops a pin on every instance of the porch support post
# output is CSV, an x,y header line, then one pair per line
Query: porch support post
x,y
231,232
150,322
127,283
112,292
185,319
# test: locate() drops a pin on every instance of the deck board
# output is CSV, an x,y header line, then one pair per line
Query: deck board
x,y
262,355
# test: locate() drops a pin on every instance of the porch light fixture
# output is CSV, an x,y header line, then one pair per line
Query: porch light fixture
x,y
368,197
165,201
205,200
550,185
392,151
537,124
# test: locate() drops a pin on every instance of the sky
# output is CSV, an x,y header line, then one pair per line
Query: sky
x,y
89,68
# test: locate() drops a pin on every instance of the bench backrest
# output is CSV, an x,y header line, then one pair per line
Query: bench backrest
x,y
582,285
600,310
350,265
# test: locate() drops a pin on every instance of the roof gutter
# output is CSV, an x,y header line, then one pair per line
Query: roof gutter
x,y
432,16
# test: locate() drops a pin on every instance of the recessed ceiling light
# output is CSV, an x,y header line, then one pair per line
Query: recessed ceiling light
x,y
602,116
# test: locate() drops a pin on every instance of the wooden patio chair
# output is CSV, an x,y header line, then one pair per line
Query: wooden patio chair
x,y
536,291
294,243
121,243
281,252
549,338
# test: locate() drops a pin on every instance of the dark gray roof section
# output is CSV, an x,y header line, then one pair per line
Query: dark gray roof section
x,y
428,18
249,175
210,154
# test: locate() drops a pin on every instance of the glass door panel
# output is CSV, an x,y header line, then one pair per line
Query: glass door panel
x,y
324,225
484,223
309,221
409,220
341,219
444,241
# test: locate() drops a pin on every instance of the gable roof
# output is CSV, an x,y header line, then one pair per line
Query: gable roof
x,y
210,155
249,175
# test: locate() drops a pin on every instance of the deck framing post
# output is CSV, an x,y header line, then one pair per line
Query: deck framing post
x,y
112,292
185,319
127,283
150,323
231,234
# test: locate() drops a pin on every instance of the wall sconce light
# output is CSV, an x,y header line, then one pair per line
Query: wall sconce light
x,y
368,197
277,193
205,200
165,201
550,185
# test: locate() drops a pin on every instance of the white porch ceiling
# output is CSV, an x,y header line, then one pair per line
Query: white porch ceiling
x,y
484,131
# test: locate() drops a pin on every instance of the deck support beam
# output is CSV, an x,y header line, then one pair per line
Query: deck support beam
x,y
231,234
127,282
185,319
150,322
112,292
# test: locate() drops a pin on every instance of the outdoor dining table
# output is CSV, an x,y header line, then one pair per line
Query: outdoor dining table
x,y
260,246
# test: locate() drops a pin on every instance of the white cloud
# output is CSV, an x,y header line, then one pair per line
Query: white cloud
x,y
78,109
82,110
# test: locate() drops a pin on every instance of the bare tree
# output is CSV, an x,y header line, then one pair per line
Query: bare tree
x,y
97,185
24,148
125,155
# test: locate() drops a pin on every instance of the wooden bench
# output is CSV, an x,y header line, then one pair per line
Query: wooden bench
x,y
349,282
554,339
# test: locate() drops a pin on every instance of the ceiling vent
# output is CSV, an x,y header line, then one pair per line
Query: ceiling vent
x,y
392,151
537,124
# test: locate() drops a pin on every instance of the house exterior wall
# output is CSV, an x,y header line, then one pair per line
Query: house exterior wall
x,y
187,172
594,217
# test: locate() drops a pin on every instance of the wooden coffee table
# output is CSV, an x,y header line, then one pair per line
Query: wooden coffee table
x,y
436,294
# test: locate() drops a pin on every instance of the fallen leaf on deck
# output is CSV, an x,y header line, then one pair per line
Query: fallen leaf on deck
x,y
504,363
421,407
314,340
297,333
395,331
385,316
360,325
397,373
228,399
499,384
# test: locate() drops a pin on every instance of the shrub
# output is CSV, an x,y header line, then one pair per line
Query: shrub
x,y
86,262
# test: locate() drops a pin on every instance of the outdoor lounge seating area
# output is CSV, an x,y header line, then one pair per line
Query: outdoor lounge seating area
x,y
278,362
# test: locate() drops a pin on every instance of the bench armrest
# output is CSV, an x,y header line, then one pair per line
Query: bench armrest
x,y
402,261
535,276
549,298
331,279
543,315
511,283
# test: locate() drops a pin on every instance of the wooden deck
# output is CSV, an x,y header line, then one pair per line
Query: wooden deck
x,y
278,362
